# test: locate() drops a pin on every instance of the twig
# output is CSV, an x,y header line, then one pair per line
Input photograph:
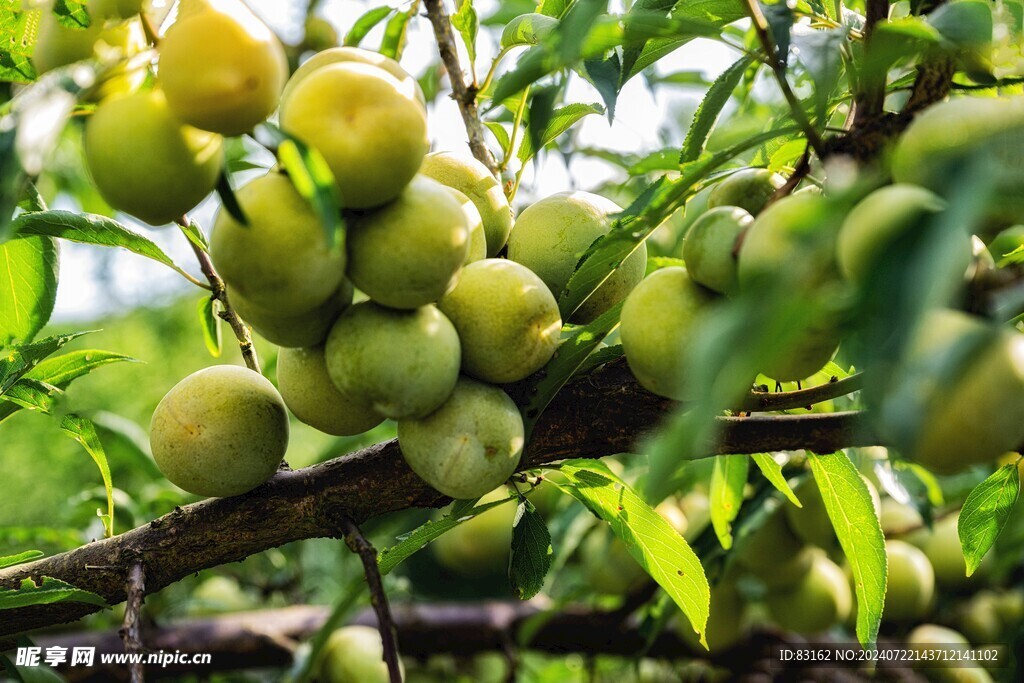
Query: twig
x,y
149,30
357,543
464,96
228,314
778,68
869,100
766,401
130,631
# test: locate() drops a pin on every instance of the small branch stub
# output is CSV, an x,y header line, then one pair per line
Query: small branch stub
x,y
135,588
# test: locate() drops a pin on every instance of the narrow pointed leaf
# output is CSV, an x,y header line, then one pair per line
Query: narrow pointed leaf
x,y
985,512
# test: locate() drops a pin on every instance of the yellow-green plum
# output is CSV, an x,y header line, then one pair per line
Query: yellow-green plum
x,y
880,219
979,618
407,253
749,189
1006,242
281,260
911,583
319,34
820,600
470,177
354,654
57,45
370,128
507,319
337,55
221,431
477,236
607,565
710,247
949,134
963,408
550,236
791,243
144,162
697,507
469,445
546,496
115,44
295,330
657,320
222,68
942,548
221,594
726,620
481,545
898,518
119,9
403,364
774,554
309,393
949,668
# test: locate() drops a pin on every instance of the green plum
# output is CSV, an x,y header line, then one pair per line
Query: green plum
x,y
309,393
221,431
295,330
507,319
550,236
657,320
354,654
281,261
820,600
749,189
469,176
710,248
911,583
477,236
403,364
469,445
774,554
481,545
407,253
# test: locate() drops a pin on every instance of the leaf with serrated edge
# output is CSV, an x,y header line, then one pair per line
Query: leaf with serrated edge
x,y
710,107
772,471
985,512
29,270
651,540
728,478
20,558
531,552
852,512
21,359
50,591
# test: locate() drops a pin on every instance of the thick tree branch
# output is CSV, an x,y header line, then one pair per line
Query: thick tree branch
x,y
601,414
358,544
464,96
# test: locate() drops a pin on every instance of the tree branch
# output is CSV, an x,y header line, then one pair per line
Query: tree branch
x,y
766,401
463,95
228,314
130,630
603,413
358,544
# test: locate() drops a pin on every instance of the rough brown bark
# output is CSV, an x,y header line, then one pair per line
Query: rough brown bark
x,y
601,414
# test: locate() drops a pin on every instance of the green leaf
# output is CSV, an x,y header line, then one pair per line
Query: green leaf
x,y
527,29
853,516
728,478
229,200
531,552
29,269
467,24
710,107
195,235
499,132
772,471
985,512
394,33
313,179
19,28
651,540
83,431
604,75
540,109
50,591
88,228
965,23
72,14
780,19
210,323
21,359
561,120
553,8
364,24
20,558
581,341
419,538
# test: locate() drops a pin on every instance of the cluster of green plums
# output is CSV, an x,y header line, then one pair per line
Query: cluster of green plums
x,y
971,414
413,318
